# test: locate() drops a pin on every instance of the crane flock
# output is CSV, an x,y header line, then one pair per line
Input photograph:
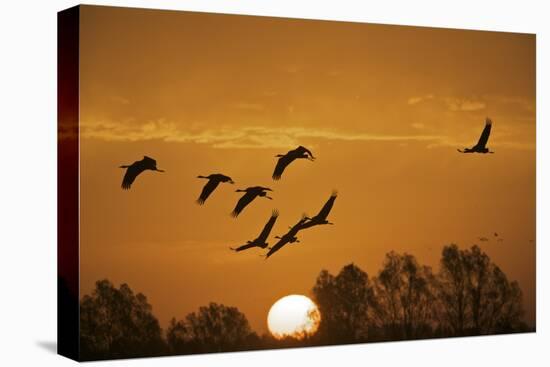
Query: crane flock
x,y
251,193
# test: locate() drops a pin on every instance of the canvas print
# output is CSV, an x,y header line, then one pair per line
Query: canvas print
x,y
233,183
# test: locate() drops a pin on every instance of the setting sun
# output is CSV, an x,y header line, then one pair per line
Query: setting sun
x,y
295,316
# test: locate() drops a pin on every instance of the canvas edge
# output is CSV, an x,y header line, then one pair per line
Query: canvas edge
x,y
68,338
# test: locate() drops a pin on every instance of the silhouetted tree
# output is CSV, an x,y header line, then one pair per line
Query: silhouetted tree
x,y
508,315
470,295
116,323
452,289
404,307
344,301
214,328
475,296
178,337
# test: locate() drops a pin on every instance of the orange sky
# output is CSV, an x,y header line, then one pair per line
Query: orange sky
x,y
382,107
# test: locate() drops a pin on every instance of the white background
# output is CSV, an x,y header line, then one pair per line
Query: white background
x,y
28,183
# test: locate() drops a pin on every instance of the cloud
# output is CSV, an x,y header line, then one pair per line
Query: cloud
x,y
415,100
128,130
263,137
120,99
523,103
467,105
347,136
452,103
249,106
229,137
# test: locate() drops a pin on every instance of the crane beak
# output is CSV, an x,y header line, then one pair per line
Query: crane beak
x,y
232,182
159,170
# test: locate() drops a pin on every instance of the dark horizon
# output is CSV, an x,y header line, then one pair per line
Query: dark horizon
x,y
371,276
424,309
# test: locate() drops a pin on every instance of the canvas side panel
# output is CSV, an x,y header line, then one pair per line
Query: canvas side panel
x,y
68,183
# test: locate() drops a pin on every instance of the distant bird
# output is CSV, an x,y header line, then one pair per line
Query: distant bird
x,y
213,182
136,168
496,234
251,194
289,237
483,239
289,157
321,217
481,146
260,241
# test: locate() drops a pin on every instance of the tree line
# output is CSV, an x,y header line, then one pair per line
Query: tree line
x,y
468,295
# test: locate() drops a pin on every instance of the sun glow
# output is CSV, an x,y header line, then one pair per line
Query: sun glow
x,y
293,316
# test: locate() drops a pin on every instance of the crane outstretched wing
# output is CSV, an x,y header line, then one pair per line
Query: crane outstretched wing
x,y
485,134
242,203
207,190
287,237
283,241
131,173
308,224
268,226
325,210
282,163
245,247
